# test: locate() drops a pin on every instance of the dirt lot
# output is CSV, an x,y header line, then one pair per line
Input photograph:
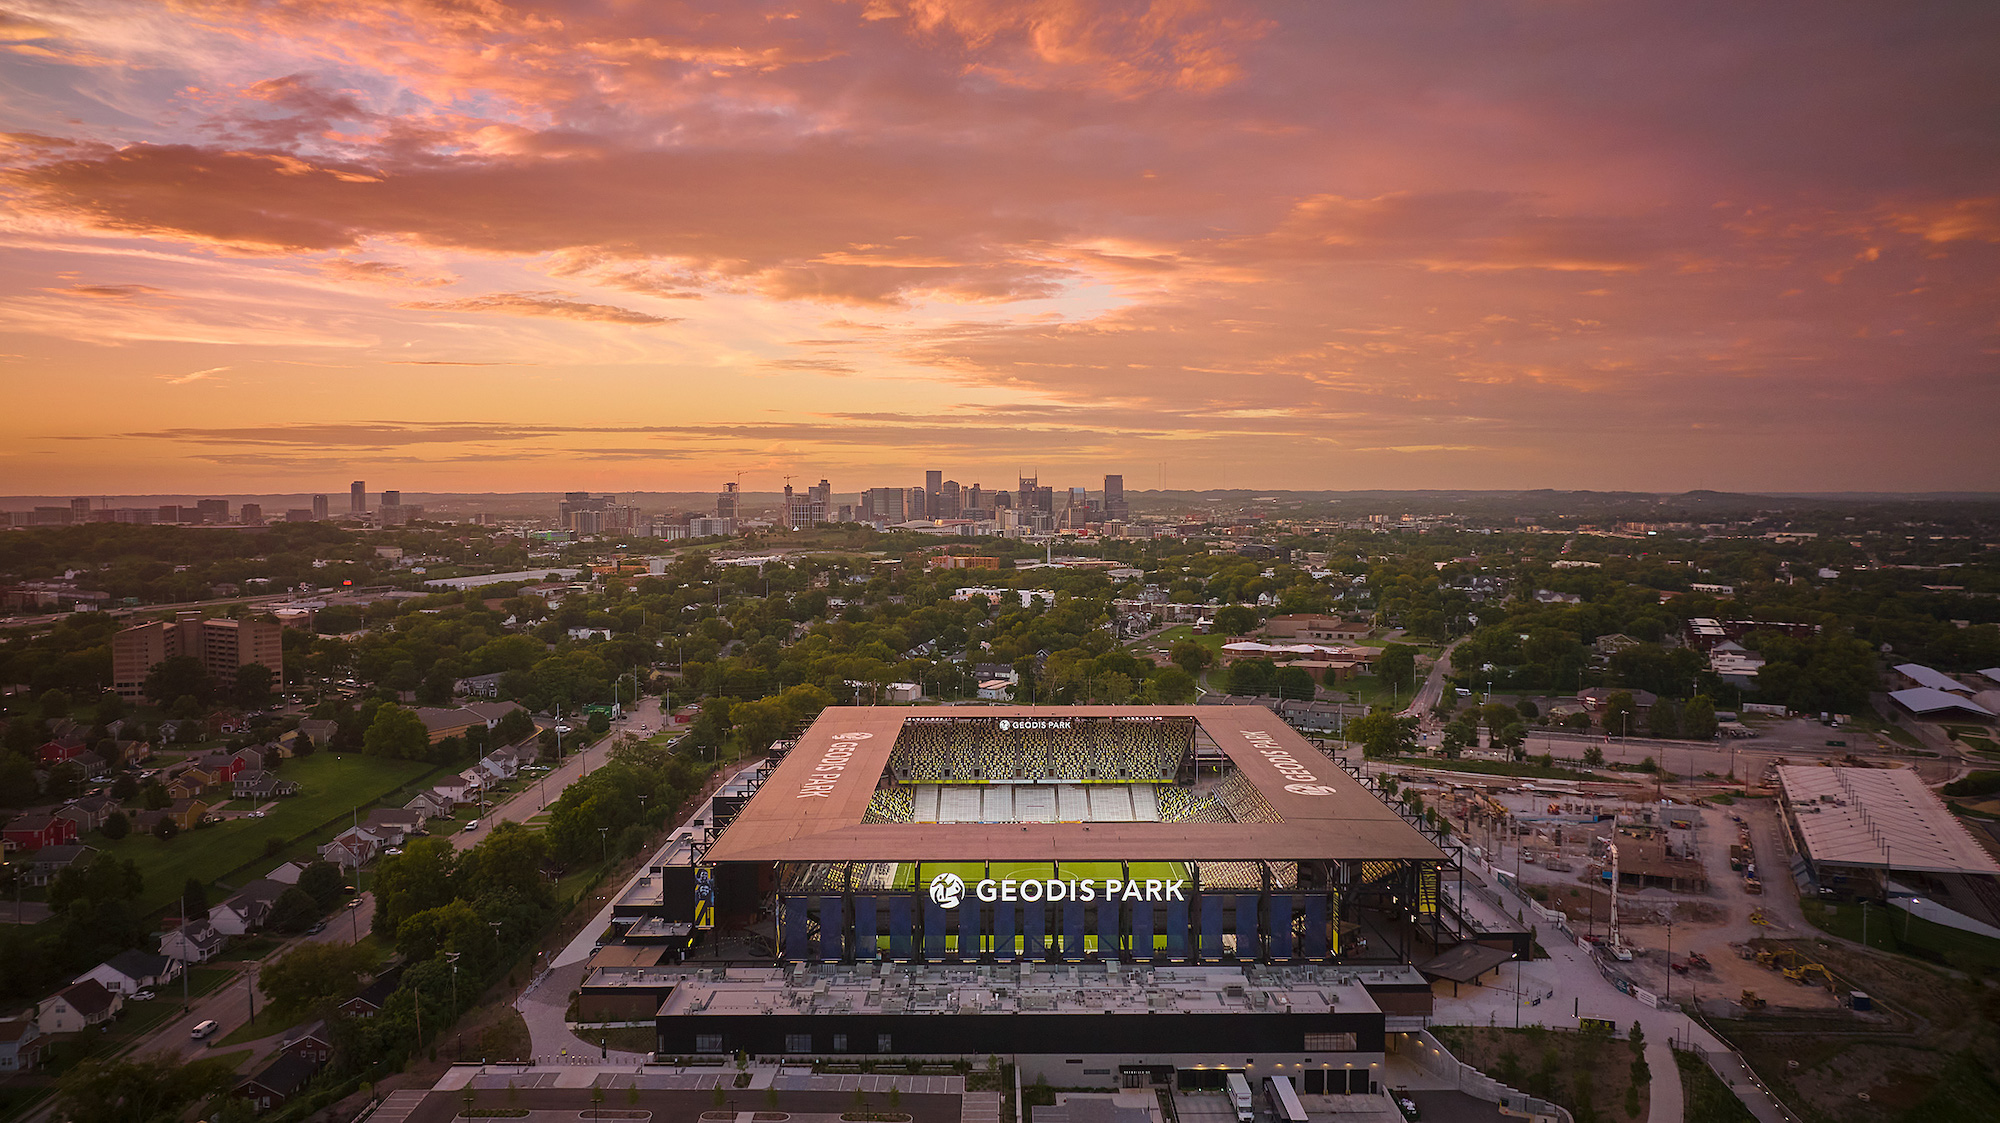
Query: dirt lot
x,y
1930,1052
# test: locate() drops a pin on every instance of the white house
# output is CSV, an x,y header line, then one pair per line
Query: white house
x,y
77,1007
352,849
132,970
248,909
194,942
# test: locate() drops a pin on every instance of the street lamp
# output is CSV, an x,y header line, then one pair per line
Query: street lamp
x,y
451,957
604,836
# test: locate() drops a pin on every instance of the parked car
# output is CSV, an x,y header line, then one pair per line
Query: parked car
x,y
144,995
471,826
205,1030
317,928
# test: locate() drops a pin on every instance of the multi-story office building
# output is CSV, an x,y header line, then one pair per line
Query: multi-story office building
x,y
319,507
213,511
357,498
221,645
890,504
1115,507
251,514
726,503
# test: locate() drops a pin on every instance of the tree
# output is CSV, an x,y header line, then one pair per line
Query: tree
x,y
1528,709
154,796
1383,733
1458,736
759,723
1295,683
1252,677
1593,757
1620,716
599,723
253,686
1171,685
419,878
1190,656
54,705
397,733
513,727
116,826
1235,619
1664,719
1698,719
110,707
324,883
294,910
314,973
194,898
273,756
302,745
165,828
181,676
141,1091
1397,665
1512,737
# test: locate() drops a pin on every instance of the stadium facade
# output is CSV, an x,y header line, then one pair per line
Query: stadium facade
x,y
1198,874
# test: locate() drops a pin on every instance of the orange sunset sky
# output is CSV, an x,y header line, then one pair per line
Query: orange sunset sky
x,y
456,245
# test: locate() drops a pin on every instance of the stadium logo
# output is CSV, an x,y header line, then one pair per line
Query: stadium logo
x,y
1288,766
947,890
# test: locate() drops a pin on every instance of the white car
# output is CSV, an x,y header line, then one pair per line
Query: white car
x,y
143,996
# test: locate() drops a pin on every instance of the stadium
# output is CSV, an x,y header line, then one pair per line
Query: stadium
x,y
1113,896
1072,834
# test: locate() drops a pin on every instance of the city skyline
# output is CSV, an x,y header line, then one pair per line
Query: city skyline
x,y
1222,245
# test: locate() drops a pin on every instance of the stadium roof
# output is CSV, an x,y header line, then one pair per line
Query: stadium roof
x,y
1923,700
1936,680
811,808
1880,818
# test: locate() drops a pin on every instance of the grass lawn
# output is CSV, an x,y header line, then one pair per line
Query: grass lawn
x,y
330,790
1706,1098
1898,931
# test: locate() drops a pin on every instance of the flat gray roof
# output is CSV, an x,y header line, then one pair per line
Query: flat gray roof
x,y
1879,818
1024,988
810,810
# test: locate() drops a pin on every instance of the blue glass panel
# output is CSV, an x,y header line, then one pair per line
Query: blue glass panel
x,y
1003,931
933,930
794,909
1246,927
1107,929
1072,930
1315,910
864,928
1142,931
1281,926
899,928
968,928
1177,929
832,929
1032,920
1211,926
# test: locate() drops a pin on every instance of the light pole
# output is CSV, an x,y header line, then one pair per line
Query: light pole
x,y
451,957
604,837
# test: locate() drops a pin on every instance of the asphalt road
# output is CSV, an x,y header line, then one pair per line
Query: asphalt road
x,y
1433,688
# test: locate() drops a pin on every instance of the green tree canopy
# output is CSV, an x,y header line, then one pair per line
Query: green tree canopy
x,y
397,733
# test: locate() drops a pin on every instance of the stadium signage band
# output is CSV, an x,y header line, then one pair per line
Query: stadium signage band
x,y
825,775
1303,782
947,890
